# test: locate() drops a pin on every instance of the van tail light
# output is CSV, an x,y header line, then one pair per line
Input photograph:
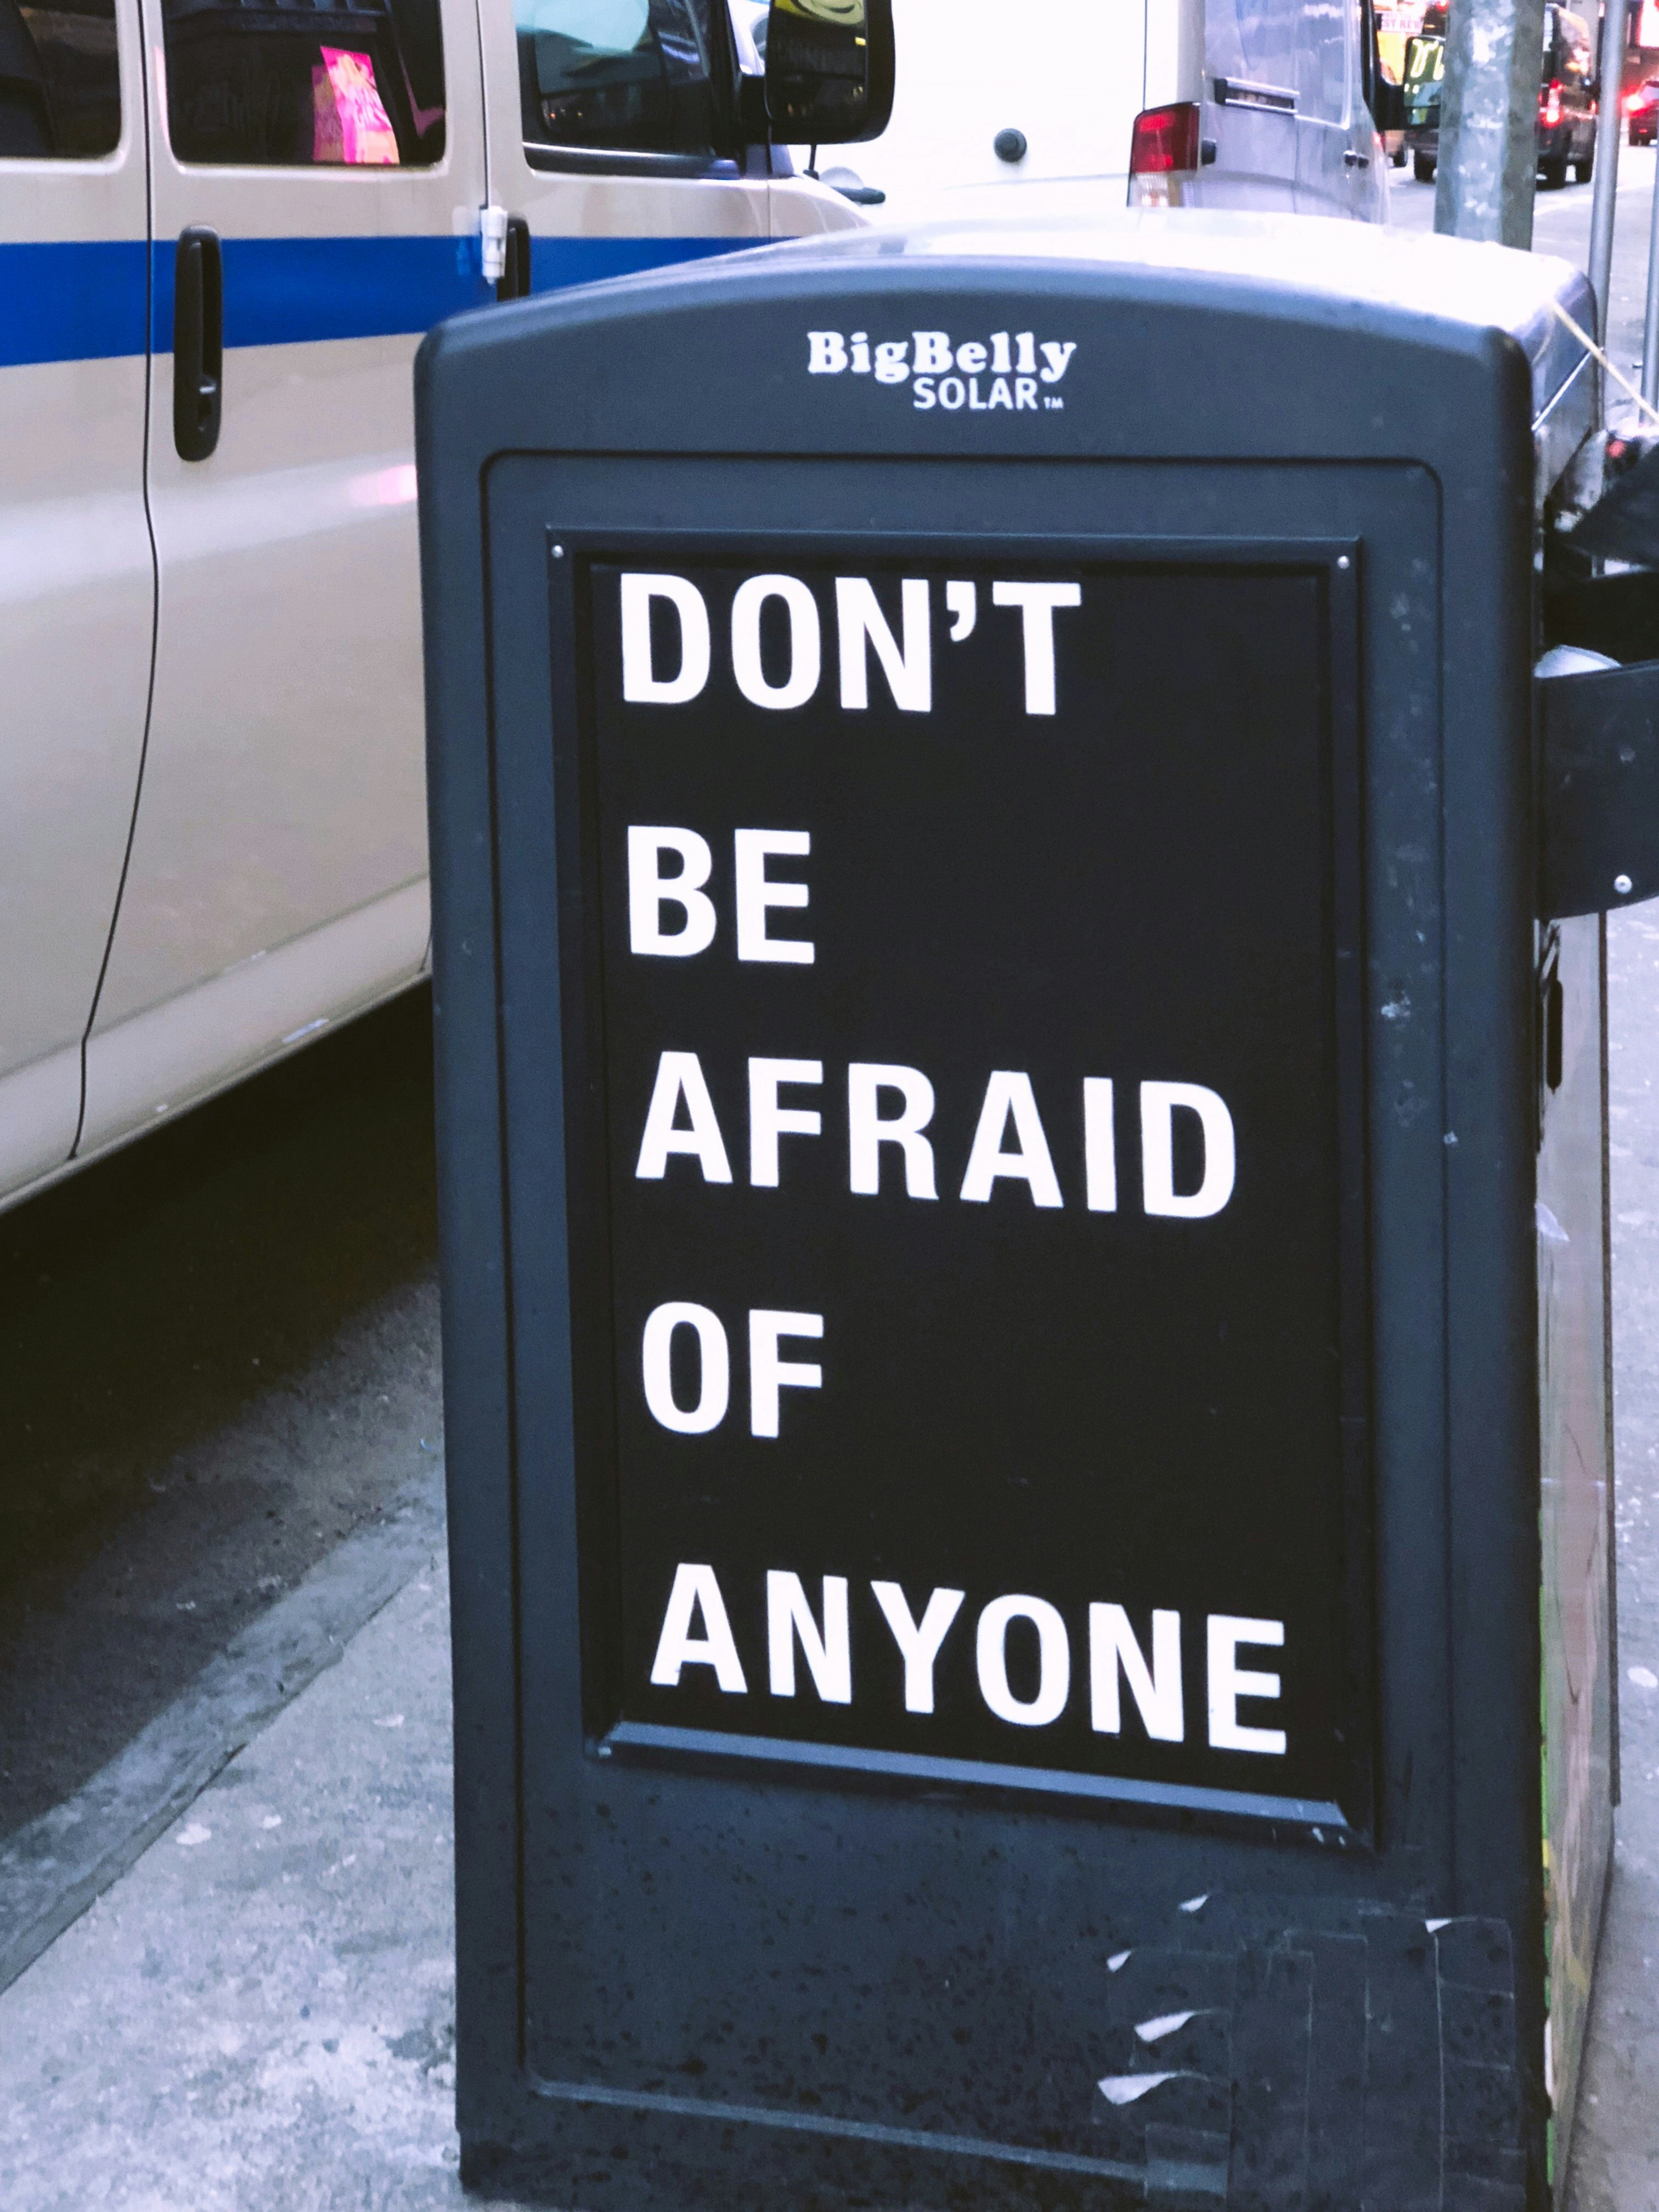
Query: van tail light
x,y
1166,139
1549,106
1165,148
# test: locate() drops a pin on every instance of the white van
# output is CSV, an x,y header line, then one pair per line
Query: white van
x,y
224,226
1257,104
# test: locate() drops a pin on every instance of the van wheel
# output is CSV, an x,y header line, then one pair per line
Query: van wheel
x,y
1552,174
1422,168
1585,168
1398,157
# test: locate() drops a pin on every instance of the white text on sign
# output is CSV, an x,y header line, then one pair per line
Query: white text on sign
x,y
879,1130
891,1106
696,1633
862,630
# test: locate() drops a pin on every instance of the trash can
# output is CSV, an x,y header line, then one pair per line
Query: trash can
x,y
1022,1101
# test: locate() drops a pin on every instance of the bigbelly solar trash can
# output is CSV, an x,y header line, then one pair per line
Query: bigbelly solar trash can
x,y
1021,1048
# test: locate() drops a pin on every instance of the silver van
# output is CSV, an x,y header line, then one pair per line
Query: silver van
x,y
1254,104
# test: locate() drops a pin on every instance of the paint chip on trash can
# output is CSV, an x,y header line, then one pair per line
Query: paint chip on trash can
x,y
1125,2088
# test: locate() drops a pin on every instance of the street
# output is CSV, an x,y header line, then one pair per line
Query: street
x,y
221,1370
219,1357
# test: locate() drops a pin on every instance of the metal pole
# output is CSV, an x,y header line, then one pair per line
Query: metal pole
x,y
1609,92
1651,321
1488,158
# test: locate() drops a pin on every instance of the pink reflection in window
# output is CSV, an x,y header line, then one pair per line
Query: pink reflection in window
x,y
351,125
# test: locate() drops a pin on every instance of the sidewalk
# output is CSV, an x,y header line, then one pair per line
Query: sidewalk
x,y
260,2016
1616,2151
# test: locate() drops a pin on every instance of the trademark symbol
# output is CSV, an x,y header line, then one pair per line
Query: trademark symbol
x,y
1053,399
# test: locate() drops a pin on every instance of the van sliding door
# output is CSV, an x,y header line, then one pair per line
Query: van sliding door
x,y
318,174
76,582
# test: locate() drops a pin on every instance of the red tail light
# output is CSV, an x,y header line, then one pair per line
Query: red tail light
x,y
1549,106
1165,140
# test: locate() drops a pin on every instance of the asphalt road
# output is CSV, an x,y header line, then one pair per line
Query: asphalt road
x,y
218,1356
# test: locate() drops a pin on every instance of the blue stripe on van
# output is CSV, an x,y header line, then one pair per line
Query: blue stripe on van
x,y
73,299
79,300
555,263
288,291
291,291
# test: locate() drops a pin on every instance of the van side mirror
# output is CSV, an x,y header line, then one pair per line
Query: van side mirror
x,y
829,70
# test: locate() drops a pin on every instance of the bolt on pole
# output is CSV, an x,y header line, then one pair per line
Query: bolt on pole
x,y
1488,154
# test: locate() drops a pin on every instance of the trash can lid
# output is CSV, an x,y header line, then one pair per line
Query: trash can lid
x,y
1458,280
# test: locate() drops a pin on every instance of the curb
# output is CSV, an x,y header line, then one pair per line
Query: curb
x,y
52,1870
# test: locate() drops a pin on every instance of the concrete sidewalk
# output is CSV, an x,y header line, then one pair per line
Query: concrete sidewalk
x,y
1615,2164
260,2016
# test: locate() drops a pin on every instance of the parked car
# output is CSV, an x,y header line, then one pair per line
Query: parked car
x,y
1566,98
212,793
1257,103
1642,113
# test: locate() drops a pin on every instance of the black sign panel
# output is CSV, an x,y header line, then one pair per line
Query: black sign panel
x,y
964,1240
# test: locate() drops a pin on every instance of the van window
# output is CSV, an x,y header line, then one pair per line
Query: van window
x,y
301,86
1297,46
60,85
1322,60
629,75
1251,39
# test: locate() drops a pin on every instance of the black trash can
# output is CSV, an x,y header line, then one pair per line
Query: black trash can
x,y
1022,1121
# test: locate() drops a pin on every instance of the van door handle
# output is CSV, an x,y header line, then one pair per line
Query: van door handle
x,y
513,283
1353,160
199,342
